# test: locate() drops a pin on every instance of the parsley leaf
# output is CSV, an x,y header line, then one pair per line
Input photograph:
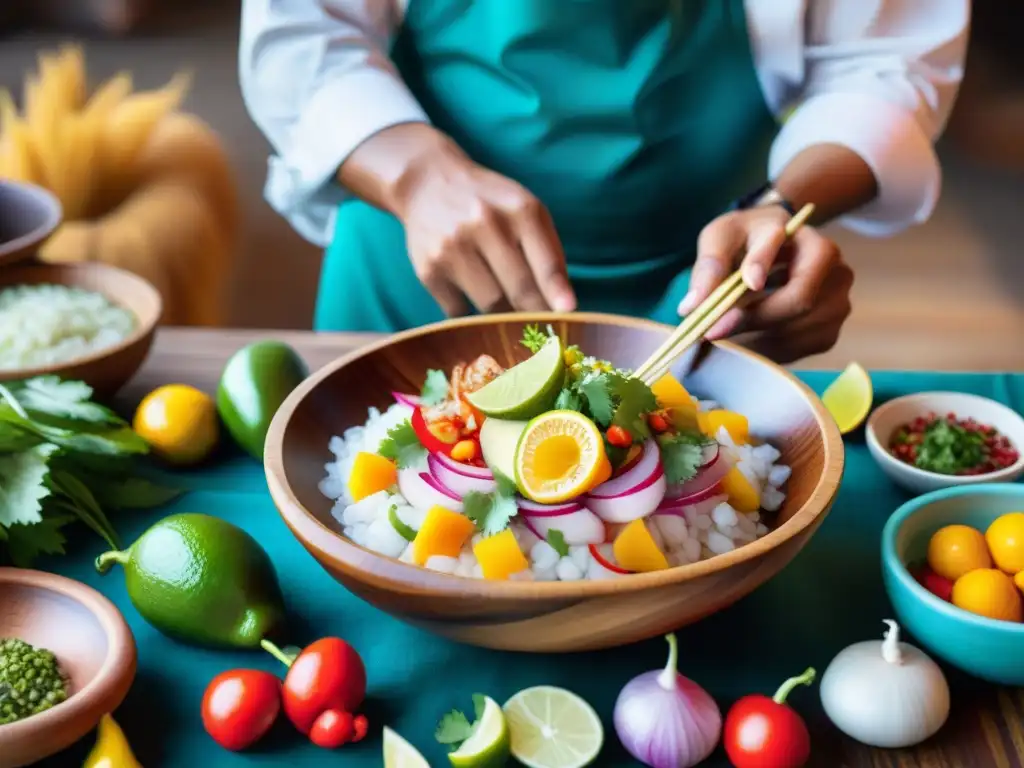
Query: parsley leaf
x,y
455,727
636,400
568,400
63,400
682,455
533,338
23,485
435,388
402,446
596,387
27,542
492,511
557,541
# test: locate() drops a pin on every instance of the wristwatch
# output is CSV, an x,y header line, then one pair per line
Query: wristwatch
x,y
764,195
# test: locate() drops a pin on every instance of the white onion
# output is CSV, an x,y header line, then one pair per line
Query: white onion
x,y
417,489
459,483
632,505
641,471
579,527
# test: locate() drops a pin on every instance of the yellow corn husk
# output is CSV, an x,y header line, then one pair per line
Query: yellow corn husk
x,y
17,154
131,123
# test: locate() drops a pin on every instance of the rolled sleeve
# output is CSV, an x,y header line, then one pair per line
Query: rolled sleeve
x,y
888,137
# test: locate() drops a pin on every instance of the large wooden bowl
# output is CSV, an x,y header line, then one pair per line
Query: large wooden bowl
x,y
549,616
93,644
105,370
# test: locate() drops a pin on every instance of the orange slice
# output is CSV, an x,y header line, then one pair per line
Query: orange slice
x,y
560,456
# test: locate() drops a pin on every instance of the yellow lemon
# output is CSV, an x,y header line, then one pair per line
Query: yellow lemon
x,y
848,398
560,456
179,422
988,592
1005,539
956,549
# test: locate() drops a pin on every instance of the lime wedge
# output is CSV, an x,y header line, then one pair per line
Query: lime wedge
x,y
524,390
553,728
848,398
498,441
488,747
399,753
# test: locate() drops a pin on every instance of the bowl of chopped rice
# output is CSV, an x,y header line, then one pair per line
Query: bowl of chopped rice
x,y
89,322
566,595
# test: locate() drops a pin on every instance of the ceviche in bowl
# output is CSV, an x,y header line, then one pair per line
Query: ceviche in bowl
x,y
501,479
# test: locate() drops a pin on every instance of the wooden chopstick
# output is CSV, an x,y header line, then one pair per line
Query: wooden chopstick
x,y
710,311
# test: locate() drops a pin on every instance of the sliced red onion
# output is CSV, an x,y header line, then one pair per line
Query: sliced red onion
x,y
632,505
533,509
706,477
410,400
532,529
579,527
692,511
711,453
692,498
423,492
646,468
481,473
457,482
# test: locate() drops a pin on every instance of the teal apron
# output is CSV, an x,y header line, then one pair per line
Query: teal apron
x,y
634,121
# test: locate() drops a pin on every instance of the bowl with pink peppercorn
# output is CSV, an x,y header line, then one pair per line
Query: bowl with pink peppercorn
x,y
934,440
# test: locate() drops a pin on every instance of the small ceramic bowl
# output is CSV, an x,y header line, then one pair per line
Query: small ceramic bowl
x,y
93,644
889,417
985,648
106,370
28,216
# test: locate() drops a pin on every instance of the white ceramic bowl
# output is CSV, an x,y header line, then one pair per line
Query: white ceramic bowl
x,y
887,418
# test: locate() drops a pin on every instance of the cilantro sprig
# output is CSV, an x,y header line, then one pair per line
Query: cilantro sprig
x,y
455,728
435,388
557,541
492,512
402,446
682,454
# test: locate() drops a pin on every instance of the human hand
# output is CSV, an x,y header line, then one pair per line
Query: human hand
x,y
804,316
473,233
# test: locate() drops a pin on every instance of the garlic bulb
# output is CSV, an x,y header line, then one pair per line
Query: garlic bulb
x,y
885,693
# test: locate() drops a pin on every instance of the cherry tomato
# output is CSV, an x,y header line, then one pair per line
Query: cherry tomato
x,y
427,438
763,732
939,586
619,437
240,706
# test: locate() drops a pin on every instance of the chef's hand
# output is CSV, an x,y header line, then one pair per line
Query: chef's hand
x,y
801,318
473,233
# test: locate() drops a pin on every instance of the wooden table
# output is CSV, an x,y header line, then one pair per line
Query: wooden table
x,y
987,732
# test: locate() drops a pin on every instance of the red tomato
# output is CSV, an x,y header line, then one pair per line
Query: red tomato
x,y
763,732
240,706
427,438
327,677
938,585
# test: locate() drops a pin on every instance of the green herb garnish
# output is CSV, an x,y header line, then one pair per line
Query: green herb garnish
x,y
948,448
455,727
557,541
682,454
435,388
402,446
493,511
403,530
635,400
534,338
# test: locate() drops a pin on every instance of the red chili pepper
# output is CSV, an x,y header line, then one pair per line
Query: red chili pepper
x,y
760,732
619,437
240,706
657,422
325,685
596,554
427,438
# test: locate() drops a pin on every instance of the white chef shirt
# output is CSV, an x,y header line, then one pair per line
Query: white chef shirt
x,y
876,76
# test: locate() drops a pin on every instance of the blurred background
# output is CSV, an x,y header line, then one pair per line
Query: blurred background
x,y
953,286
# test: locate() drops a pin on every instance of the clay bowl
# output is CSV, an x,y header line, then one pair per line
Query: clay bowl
x,y
28,216
106,370
549,616
93,644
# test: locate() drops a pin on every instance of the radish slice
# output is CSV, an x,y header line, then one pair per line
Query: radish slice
x,y
481,473
579,527
706,477
606,565
692,498
410,400
641,473
423,491
533,509
457,482
632,505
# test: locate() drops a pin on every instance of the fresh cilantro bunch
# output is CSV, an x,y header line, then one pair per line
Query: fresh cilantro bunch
x,y
64,458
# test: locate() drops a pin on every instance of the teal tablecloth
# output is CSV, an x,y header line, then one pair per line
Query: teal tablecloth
x,y
829,596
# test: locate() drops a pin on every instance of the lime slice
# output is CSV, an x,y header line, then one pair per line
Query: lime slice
x,y
488,747
553,728
560,456
848,398
498,441
399,753
524,390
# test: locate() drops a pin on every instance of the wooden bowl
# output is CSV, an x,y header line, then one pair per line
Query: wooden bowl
x,y
549,616
106,370
93,644
28,216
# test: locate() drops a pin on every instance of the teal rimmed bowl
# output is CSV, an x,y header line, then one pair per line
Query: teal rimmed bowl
x,y
985,648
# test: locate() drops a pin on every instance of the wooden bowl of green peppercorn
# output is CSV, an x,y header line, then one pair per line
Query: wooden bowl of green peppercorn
x,y
95,657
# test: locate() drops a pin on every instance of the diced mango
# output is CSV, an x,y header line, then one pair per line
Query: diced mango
x,y
443,533
736,424
671,394
743,496
499,555
636,550
371,474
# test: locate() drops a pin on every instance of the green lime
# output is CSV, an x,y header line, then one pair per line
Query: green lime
x,y
488,747
399,753
553,728
498,441
200,579
524,390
